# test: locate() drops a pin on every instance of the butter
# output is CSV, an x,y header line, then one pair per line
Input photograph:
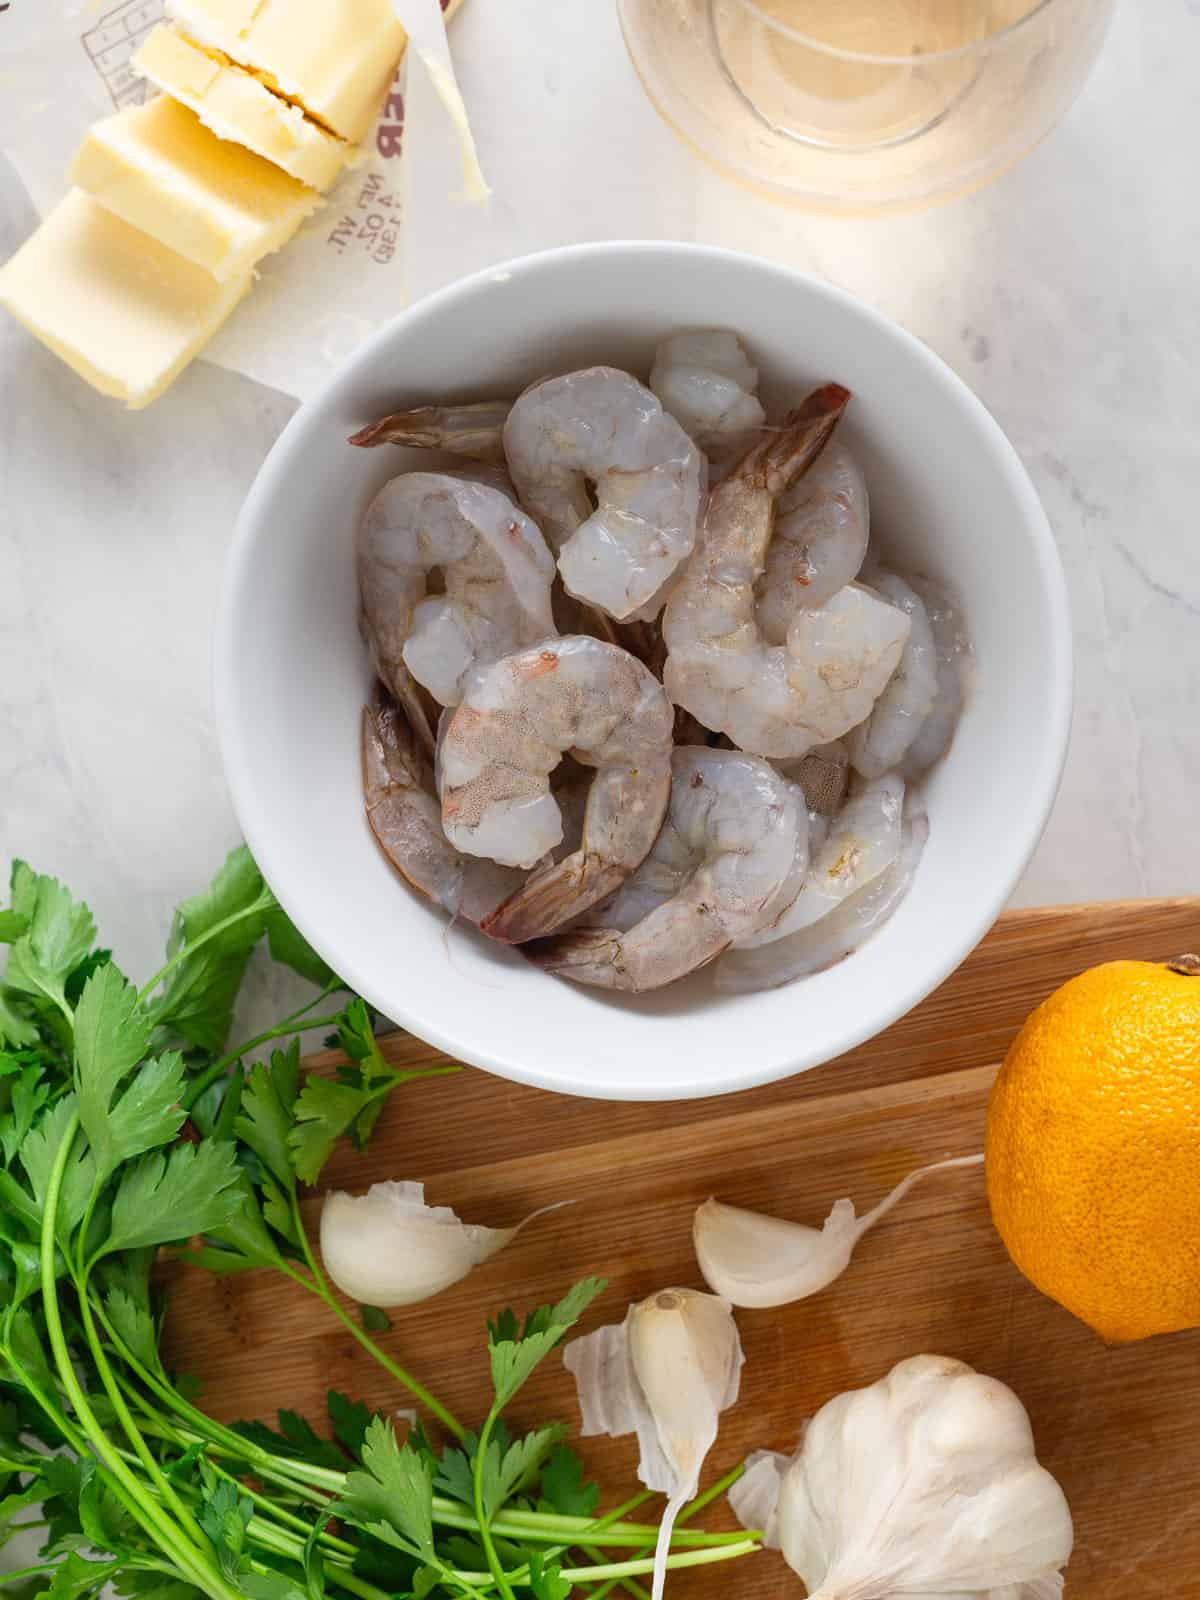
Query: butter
x,y
162,170
335,58
124,311
240,108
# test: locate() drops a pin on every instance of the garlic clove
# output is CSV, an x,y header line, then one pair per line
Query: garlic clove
x,y
758,1261
665,1373
388,1248
687,1359
925,1483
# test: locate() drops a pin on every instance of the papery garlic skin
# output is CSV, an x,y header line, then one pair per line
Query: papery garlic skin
x,y
754,1498
388,1248
666,1373
924,1483
756,1261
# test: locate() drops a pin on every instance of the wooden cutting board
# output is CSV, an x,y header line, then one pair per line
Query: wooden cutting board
x,y
1120,1427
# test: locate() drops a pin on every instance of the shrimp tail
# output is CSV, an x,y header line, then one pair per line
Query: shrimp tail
x,y
649,956
476,431
586,955
781,455
554,896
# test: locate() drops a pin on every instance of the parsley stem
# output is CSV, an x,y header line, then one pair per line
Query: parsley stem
x,y
481,1510
155,1473
529,1528
320,1286
193,1563
77,1441
637,1568
263,902
290,1024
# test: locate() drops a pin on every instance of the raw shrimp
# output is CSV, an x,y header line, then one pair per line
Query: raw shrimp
x,y
953,655
475,431
770,699
706,381
822,526
835,936
600,429
406,819
496,569
823,773
863,841
518,718
734,838
675,856
878,744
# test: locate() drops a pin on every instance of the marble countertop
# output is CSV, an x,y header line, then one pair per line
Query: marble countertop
x,y
1064,294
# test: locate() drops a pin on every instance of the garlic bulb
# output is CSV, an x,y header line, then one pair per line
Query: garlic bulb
x,y
757,1261
666,1373
924,1484
388,1248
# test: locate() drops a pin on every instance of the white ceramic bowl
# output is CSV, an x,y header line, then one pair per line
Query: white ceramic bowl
x,y
950,499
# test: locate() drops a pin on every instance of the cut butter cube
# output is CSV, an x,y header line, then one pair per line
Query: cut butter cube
x,y
162,170
240,108
123,310
336,58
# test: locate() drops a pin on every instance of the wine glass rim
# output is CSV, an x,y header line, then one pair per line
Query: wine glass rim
x,y
870,58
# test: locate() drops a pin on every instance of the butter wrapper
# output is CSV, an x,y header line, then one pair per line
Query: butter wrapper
x,y
66,63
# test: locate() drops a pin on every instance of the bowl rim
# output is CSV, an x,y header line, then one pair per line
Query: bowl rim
x,y
1044,776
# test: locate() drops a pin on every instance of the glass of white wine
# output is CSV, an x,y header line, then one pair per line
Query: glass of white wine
x,y
856,106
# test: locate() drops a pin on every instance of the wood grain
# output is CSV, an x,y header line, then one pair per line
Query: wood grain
x,y
1117,1425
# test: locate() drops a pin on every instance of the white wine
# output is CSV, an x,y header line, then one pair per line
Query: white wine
x,y
855,105
857,75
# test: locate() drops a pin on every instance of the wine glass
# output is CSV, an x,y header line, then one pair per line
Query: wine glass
x,y
863,105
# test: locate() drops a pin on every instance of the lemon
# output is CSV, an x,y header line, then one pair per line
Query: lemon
x,y
1093,1147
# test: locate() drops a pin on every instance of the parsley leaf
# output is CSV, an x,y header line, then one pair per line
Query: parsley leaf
x,y
15,1029
134,1324
224,1516
350,1420
393,1498
513,1357
247,1239
199,996
38,1153
153,1586
563,1488
75,1577
289,947
307,1443
112,1033
351,1103
503,1475
27,1095
546,1579
12,925
61,931
271,1586
454,1472
324,1112
296,1439
265,1121
162,1199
